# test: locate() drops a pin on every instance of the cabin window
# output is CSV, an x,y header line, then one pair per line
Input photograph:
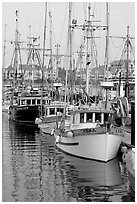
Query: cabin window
x,y
81,117
89,117
44,102
38,101
98,117
28,102
19,102
105,117
46,112
22,102
69,111
33,101
60,110
52,111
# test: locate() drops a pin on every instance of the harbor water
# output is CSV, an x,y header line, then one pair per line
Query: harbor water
x,y
34,170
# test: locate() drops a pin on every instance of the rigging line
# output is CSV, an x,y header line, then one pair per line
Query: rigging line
x,y
94,7
115,45
97,46
54,38
132,48
85,6
63,24
52,27
95,53
122,54
8,50
12,58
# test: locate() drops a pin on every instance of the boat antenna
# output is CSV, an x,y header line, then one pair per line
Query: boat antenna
x,y
43,59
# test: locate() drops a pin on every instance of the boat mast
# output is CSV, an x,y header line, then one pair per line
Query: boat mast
x,y
88,54
70,51
51,54
66,78
16,59
106,54
127,47
107,43
43,59
57,59
127,65
3,66
4,47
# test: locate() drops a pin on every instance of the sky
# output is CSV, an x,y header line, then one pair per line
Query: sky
x,y
122,14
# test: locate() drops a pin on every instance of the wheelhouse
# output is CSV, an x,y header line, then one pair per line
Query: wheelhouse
x,y
97,116
53,110
32,101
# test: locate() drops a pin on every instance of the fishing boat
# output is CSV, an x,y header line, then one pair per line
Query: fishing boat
x,y
26,103
26,108
89,133
53,110
52,114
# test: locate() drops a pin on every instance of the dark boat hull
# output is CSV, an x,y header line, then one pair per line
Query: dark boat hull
x,y
25,114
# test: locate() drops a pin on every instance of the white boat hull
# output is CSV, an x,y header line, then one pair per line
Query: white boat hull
x,y
102,147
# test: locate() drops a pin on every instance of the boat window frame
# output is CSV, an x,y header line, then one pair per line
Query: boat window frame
x,y
81,120
32,101
27,101
22,102
96,118
51,109
105,117
38,102
87,120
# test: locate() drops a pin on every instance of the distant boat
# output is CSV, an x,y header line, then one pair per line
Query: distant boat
x,y
26,103
26,108
52,113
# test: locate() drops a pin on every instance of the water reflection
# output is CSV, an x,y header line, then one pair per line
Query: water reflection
x,y
95,181
34,170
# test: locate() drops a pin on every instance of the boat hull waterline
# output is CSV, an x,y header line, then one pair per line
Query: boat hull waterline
x,y
101,147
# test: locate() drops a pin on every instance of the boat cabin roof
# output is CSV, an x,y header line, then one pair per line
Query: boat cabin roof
x,y
33,97
91,110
